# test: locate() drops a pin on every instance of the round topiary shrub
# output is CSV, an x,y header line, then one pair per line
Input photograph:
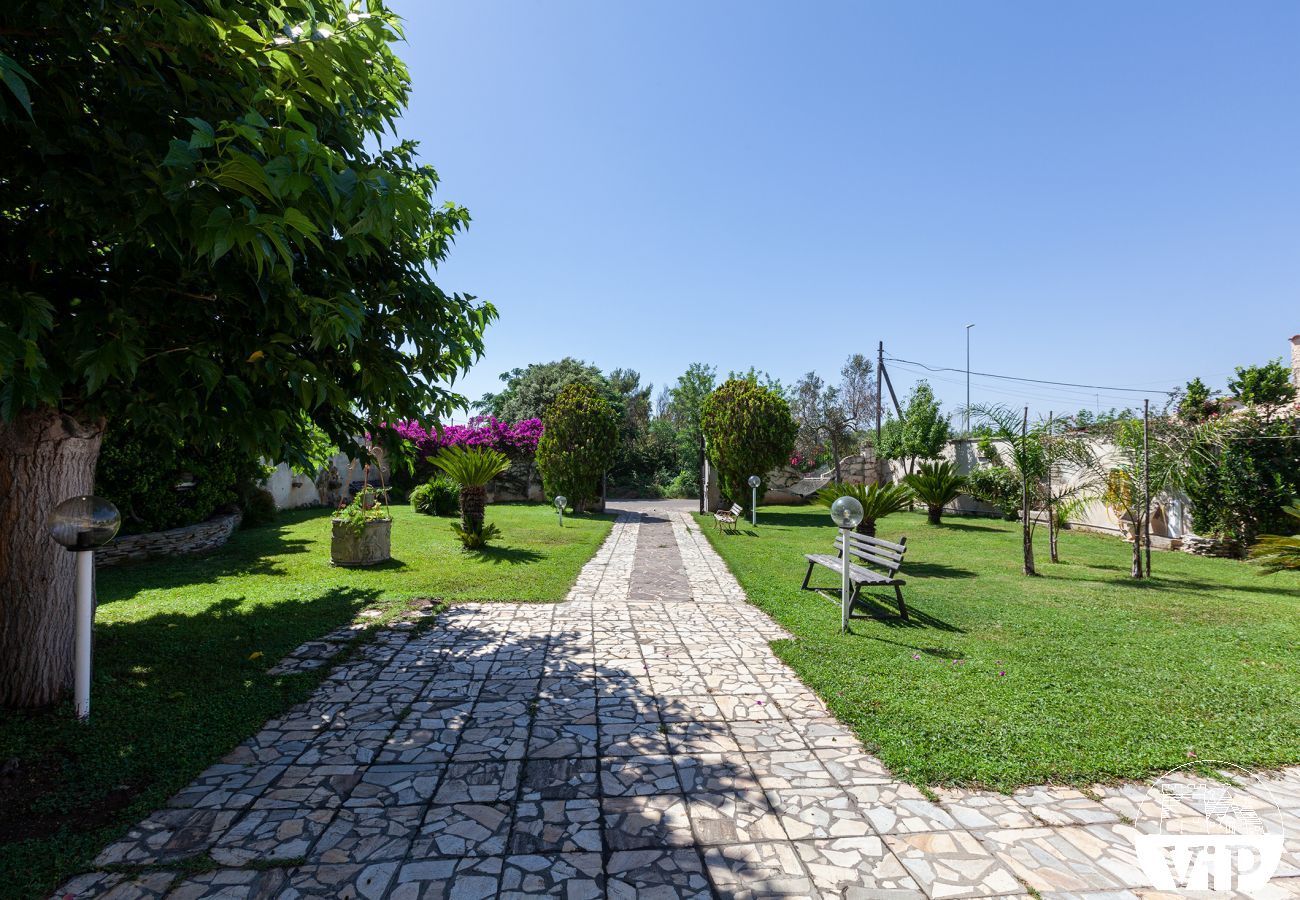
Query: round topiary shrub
x,y
578,443
749,430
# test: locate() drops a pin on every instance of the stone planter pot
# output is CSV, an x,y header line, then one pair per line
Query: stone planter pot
x,y
373,545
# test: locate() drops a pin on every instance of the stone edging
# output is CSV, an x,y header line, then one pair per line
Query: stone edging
x,y
196,538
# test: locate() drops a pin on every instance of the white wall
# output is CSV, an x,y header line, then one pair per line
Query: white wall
x,y
1171,512
293,491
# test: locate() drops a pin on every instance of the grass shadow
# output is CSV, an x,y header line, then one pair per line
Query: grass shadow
x,y
514,556
881,609
933,570
249,552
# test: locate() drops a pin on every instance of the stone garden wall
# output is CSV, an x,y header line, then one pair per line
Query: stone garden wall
x,y
195,538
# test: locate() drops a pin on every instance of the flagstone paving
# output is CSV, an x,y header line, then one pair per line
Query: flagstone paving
x,y
637,740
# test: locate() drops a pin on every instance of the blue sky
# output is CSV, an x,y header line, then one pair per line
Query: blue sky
x,y
1110,191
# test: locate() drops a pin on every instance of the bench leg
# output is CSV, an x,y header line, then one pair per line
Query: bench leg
x,y
807,577
902,607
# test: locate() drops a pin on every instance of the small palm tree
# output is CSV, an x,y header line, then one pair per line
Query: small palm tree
x,y
472,468
878,501
936,485
1275,552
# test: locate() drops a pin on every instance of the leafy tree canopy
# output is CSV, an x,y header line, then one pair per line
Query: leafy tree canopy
x,y
1196,401
529,392
1266,384
761,378
749,431
921,433
578,443
204,228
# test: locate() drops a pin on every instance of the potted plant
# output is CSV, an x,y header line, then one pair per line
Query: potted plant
x,y
362,529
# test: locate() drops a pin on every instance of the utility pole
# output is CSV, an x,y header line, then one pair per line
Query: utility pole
x,y
880,374
966,433
1146,481
1025,533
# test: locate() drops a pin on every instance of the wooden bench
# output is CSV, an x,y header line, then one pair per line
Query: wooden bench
x,y
874,562
727,518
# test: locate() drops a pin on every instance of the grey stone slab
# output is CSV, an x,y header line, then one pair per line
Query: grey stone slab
x,y
560,779
656,874
463,829
556,826
572,876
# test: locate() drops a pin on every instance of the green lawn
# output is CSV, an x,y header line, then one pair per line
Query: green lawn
x,y
1105,678
175,687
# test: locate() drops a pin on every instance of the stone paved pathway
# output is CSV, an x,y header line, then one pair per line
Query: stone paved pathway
x,y
637,740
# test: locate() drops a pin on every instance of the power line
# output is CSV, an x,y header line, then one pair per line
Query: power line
x,y
1043,394
1070,384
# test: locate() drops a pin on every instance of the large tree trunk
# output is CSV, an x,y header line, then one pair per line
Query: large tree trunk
x,y
45,458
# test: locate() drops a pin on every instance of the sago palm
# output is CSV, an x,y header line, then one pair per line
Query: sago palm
x,y
936,484
471,468
877,501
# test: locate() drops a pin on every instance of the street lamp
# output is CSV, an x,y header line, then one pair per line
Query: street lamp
x,y
968,328
81,524
754,482
560,502
846,512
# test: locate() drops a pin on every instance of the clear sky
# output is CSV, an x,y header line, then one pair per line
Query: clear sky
x,y
1109,190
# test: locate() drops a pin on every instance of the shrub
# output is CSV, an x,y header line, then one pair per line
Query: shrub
x,y
1278,553
683,485
258,506
516,440
877,501
578,443
438,497
749,431
141,474
996,486
1240,484
471,469
936,484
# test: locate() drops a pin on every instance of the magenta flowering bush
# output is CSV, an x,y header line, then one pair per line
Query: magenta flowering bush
x,y
515,440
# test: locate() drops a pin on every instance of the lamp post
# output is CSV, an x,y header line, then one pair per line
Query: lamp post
x,y
81,524
754,482
560,502
966,433
846,512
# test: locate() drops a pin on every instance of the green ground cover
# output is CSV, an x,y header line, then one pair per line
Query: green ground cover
x,y
1076,676
181,652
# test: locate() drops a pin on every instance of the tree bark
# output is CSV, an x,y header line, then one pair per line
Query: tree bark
x,y
45,458
473,503
1025,511
934,514
1052,531
1136,570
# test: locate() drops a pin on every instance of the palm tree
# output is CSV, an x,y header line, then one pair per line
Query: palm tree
x,y
472,468
878,501
1027,461
936,484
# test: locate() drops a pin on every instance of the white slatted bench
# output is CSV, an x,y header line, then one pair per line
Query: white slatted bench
x,y
875,563
726,518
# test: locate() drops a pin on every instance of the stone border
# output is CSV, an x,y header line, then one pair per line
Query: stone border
x,y
196,538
